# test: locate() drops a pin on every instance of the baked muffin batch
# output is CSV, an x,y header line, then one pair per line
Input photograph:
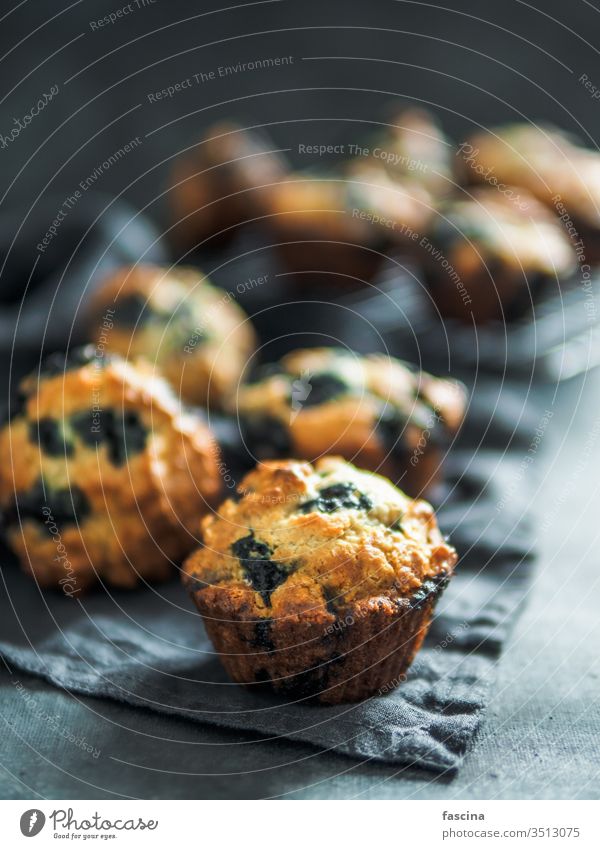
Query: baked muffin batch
x,y
317,577
408,189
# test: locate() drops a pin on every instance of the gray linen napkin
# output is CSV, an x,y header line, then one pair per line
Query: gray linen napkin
x,y
148,648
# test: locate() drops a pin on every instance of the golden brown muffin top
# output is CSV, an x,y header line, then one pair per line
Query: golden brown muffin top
x,y
308,379
304,536
490,224
102,424
163,309
545,160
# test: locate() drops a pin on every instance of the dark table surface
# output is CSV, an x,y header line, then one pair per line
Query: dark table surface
x,y
540,737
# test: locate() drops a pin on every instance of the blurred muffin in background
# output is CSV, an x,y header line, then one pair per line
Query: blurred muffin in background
x,y
486,253
339,222
551,165
196,334
315,231
373,410
344,224
219,182
413,146
102,477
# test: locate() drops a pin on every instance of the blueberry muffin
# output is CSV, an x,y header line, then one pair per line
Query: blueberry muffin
x,y
319,581
197,335
485,255
548,163
344,224
313,230
373,410
102,476
413,146
219,183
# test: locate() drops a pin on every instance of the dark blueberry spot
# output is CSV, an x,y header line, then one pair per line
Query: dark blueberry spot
x,y
338,496
125,436
47,432
390,427
431,589
60,363
122,433
264,574
397,526
392,423
262,635
87,427
133,310
68,505
324,387
332,600
46,506
261,676
266,437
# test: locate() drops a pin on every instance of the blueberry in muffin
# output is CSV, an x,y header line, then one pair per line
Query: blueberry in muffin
x,y
102,476
196,334
485,253
320,581
373,410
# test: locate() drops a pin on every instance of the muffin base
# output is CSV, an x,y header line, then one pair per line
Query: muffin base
x,y
360,651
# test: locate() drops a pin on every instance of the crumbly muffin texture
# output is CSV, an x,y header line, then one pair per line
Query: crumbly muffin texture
x,y
373,410
102,475
304,540
307,548
197,335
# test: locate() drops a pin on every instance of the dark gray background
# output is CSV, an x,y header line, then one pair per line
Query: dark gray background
x,y
541,734
475,63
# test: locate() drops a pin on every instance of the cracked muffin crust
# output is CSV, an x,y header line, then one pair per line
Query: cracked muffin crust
x,y
373,410
197,335
102,476
320,581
